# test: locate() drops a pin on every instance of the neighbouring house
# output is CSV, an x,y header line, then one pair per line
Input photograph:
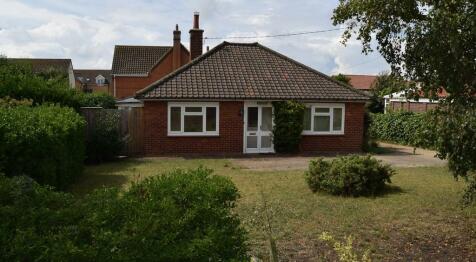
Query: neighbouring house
x,y
221,103
49,65
362,82
399,102
135,67
93,80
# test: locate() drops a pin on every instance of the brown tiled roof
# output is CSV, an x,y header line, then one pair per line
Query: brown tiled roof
x,y
137,60
89,75
248,71
362,82
43,64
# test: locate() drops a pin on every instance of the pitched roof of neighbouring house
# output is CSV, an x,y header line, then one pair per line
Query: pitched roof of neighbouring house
x,y
247,71
136,60
44,64
362,82
89,75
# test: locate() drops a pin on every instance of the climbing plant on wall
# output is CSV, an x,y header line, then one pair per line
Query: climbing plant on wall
x,y
288,125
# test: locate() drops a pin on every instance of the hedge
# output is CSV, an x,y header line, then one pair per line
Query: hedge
x,y
185,215
288,125
43,142
406,128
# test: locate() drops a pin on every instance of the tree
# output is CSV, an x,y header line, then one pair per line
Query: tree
x,y
386,83
432,43
341,78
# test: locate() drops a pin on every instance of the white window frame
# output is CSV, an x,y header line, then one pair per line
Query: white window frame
x,y
182,106
331,107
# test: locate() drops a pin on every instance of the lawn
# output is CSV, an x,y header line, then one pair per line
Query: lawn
x,y
418,218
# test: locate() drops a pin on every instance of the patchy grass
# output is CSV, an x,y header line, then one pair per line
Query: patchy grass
x,y
418,218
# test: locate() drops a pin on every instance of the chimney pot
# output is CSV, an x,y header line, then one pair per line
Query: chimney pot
x,y
196,16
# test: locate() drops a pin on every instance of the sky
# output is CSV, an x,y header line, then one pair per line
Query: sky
x,y
86,31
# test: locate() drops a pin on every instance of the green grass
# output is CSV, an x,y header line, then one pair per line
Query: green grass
x,y
419,217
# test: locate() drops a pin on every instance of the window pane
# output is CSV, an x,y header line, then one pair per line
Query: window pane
x,y
266,141
252,119
175,120
322,123
193,123
337,125
211,119
266,119
193,109
252,142
307,119
321,110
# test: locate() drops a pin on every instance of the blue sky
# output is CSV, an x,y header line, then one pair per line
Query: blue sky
x,y
86,31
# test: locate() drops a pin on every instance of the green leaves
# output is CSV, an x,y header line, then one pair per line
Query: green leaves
x,y
288,125
349,176
184,215
44,142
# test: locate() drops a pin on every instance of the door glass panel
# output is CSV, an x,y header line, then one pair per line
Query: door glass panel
x,y
252,142
266,118
337,125
266,141
252,119
322,123
175,119
193,123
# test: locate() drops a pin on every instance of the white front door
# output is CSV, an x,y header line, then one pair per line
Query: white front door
x,y
258,128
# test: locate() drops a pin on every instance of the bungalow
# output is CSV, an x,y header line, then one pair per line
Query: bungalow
x,y
221,103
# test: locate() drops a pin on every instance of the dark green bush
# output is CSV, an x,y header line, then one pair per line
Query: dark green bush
x,y
349,175
406,128
180,216
18,81
43,142
97,100
104,141
288,125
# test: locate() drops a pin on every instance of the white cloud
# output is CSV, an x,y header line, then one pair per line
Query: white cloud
x,y
87,31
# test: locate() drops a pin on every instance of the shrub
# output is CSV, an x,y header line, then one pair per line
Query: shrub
x,y
18,81
104,141
44,142
407,128
180,216
97,100
349,175
288,125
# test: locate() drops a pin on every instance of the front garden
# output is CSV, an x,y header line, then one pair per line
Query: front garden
x,y
418,217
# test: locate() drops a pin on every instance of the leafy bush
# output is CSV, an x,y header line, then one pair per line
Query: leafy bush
x,y
180,216
288,125
18,81
104,140
97,100
407,128
349,175
345,250
44,142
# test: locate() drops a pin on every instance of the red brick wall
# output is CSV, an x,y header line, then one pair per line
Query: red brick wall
x,y
126,86
230,140
351,141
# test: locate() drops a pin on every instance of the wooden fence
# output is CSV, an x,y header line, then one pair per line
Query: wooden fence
x,y
130,124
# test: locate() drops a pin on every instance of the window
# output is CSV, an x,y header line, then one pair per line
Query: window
x,y
100,80
325,119
196,119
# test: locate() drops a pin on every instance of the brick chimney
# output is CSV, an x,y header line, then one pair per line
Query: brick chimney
x,y
196,38
176,49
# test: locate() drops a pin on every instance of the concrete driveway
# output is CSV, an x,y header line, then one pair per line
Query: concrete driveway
x,y
396,155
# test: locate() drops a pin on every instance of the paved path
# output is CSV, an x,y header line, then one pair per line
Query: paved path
x,y
396,155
